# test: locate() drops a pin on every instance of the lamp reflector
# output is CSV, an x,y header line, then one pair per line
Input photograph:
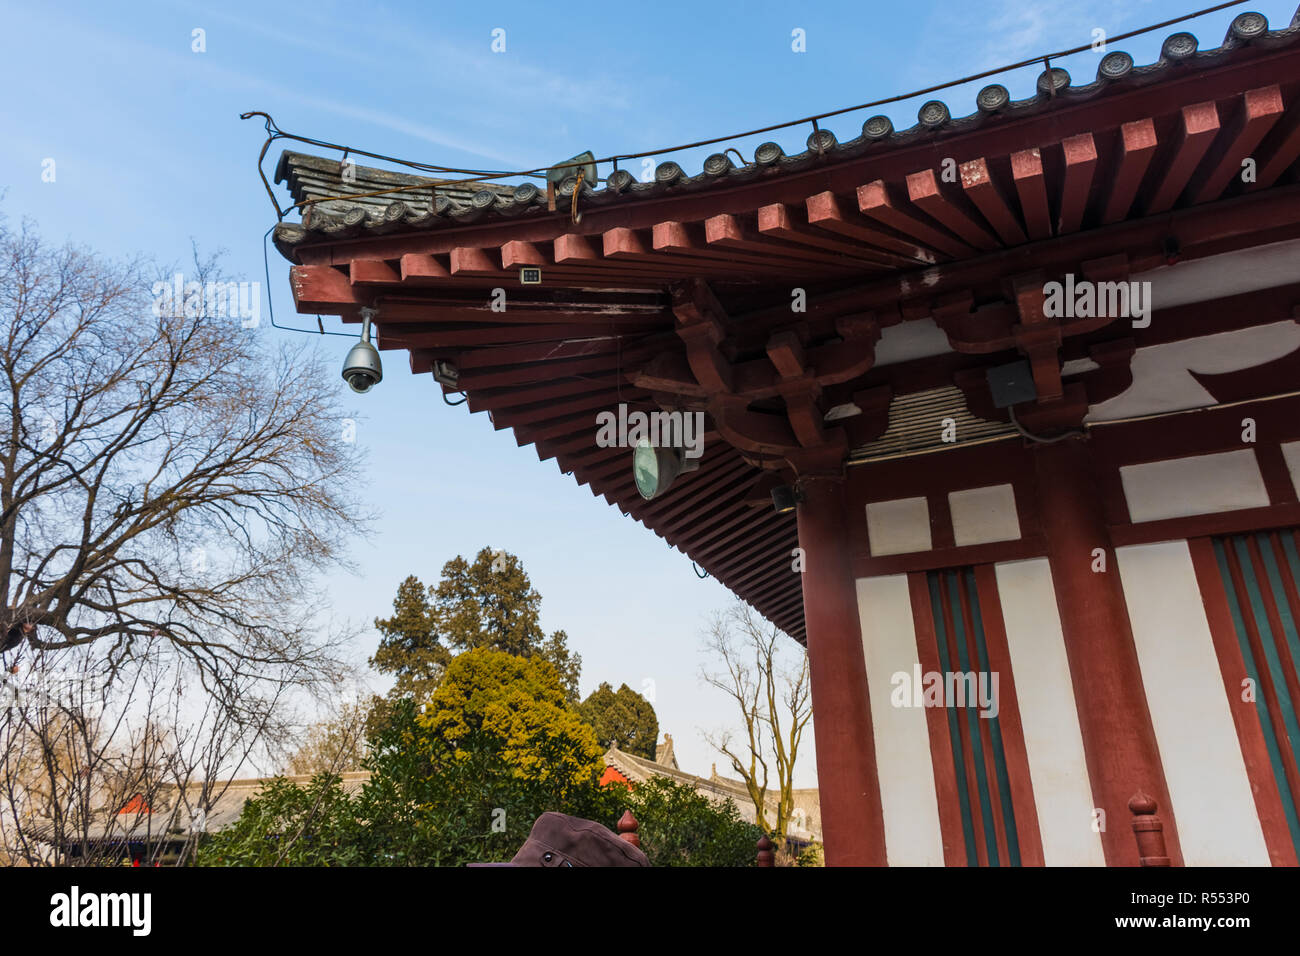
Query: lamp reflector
x,y
654,468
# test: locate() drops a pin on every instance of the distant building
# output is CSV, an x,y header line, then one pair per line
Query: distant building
x,y
157,827
622,767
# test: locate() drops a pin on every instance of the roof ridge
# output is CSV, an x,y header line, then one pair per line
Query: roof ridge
x,y
1116,71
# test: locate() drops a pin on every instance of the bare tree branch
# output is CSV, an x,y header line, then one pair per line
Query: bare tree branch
x,y
775,707
162,473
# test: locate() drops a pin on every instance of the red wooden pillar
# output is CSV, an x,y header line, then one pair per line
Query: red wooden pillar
x,y
853,828
1119,741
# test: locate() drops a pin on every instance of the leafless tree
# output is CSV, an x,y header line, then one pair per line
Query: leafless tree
x,y
334,745
163,473
171,487
95,773
775,706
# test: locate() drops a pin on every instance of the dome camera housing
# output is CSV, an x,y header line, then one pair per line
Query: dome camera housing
x,y
362,369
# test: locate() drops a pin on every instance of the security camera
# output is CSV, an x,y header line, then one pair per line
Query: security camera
x,y
362,369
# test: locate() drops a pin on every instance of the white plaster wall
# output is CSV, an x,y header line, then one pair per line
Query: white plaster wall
x,y
1228,273
900,526
1161,382
1053,742
907,793
1291,452
1201,484
1218,824
984,515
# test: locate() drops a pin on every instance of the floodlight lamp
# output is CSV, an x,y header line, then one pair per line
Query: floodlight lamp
x,y
785,498
655,467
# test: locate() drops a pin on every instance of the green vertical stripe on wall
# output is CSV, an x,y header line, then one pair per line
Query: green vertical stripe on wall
x,y
1271,743
1269,640
972,715
1285,613
954,729
995,727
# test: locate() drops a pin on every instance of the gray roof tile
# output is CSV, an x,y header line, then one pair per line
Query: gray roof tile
x,y
311,177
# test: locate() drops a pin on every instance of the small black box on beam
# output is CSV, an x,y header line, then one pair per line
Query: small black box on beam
x,y
1012,384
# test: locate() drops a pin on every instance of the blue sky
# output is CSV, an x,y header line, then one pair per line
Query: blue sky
x,y
150,154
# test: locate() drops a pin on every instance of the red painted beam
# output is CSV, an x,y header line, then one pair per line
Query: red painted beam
x,y
780,221
989,199
490,399
725,511
876,202
1279,150
924,190
825,212
544,412
687,239
373,272
598,343
1137,146
434,337
1226,225
745,554
714,502
475,262
516,254
561,448
547,371
586,253
731,478
434,312
1031,187
730,232
636,247
322,289
1200,126
1258,111
422,266
1080,164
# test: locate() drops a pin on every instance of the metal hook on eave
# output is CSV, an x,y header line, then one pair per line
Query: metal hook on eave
x,y
272,134
574,215
739,156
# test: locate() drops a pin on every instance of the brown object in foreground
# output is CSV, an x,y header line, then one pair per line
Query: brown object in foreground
x,y
627,827
765,855
560,840
1149,831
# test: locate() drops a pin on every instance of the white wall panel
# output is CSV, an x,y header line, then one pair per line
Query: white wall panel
x,y
900,526
1218,824
1053,742
1199,485
984,515
907,792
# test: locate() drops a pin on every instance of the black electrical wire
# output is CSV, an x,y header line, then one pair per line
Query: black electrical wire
x,y
270,305
274,132
1038,438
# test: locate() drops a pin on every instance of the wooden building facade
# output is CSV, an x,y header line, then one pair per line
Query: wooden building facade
x,y
1027,383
